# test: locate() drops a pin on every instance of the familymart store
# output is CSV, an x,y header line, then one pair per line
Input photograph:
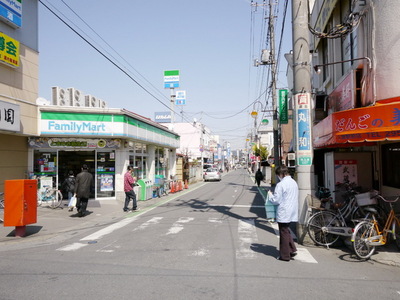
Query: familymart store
x,y
107,140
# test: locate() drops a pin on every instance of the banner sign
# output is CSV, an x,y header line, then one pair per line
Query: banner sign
x,y
283,107
304,150
368,124
9,50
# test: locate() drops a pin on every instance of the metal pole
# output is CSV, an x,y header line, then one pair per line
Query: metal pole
x,y
302,122
172,97
277,160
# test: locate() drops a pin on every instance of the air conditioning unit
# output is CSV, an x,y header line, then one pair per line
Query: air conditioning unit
x,y
91,101
60,96
76,97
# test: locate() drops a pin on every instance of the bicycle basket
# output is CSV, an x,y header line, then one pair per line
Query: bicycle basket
x,y
365,199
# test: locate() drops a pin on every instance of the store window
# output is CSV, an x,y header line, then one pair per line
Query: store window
x,y
160,161
138,160
391,165
105,174
45,168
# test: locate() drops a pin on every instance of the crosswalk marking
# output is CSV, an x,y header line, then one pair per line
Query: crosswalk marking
x,y
152,221
72,247
302,253
247,236
178,225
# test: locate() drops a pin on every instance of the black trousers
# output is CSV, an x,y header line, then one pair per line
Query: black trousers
x,y
128,196
286,243
81,204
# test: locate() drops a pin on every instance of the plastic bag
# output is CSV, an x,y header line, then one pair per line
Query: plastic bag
x,y
72,202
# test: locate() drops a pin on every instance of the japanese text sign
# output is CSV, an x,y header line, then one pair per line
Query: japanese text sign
x,y
9,50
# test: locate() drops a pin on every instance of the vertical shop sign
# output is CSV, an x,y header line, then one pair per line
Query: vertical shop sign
x,y
303,134
283,107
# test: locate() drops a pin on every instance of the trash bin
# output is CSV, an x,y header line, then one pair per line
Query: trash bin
x,y
146,189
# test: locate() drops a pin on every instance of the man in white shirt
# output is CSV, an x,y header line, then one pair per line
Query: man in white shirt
x,y
286,196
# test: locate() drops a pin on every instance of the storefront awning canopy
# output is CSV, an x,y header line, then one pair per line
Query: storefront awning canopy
x,y
368,124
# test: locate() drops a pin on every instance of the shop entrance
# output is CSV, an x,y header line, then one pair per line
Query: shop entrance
x,y
73,161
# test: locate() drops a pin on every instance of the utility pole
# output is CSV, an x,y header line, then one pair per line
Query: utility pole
x,y
277,160
302,122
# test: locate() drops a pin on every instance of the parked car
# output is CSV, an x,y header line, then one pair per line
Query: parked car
x,y
212,174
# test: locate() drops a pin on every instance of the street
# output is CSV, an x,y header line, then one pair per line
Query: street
x,y
209,243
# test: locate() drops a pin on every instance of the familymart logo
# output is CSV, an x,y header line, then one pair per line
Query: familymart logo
x,y
77,127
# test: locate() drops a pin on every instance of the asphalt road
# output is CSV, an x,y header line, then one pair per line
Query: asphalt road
x,y
209,243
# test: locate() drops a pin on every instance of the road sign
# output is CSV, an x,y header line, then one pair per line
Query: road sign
x,y
171,79
180,98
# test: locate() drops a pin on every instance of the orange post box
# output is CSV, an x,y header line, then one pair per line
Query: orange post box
x,y
20,204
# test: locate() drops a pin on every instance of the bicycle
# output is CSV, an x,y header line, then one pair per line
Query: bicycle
x,y
2,200
327,226
52,197
1,204
368,234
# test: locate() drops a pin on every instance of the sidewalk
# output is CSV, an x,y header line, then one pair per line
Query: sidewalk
x,y
388,254
51,222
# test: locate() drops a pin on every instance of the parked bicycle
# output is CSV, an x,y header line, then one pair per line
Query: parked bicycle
x,y
327,226
2,200
52,197
2,204
369,233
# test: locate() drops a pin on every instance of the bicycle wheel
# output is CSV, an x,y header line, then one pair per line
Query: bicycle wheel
x,y
39,198
360,214
397,233
317,228
362,232
56,199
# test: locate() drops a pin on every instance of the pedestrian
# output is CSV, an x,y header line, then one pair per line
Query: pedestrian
x,y
83,185
259,176
69,187
129,182
286,196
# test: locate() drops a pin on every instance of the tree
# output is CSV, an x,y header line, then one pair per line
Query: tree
x,y
260,151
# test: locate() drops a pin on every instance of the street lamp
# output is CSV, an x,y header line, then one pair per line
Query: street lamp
x,y
317,68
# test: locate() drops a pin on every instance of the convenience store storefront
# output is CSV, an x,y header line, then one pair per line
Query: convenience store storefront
x,y
107,140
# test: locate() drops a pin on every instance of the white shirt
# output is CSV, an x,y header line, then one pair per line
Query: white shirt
x,y
286,196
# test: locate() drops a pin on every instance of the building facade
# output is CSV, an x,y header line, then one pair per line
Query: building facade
x,y
105,139
356,136
19,77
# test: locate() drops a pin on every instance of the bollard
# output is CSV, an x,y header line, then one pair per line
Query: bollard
x,y
186,184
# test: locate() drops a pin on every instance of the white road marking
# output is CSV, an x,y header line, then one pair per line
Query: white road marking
x,y
247,237
152,221
72,247
203,252
178,225
302,253
109,229
215,220
235,206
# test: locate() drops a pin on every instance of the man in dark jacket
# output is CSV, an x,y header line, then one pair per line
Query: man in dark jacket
x,y
83,184
259,177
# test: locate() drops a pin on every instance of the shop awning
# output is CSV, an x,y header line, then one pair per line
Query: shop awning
x,y
367,124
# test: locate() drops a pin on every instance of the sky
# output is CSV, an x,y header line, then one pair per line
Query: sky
x,y
213,44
